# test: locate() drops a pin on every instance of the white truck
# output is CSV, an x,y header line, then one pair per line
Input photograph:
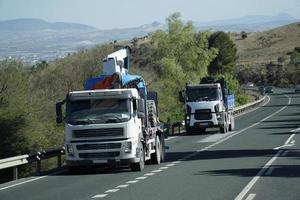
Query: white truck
x,y
114,121
207,105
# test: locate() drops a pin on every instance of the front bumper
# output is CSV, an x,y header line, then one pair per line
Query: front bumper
x,y
101,153
215,121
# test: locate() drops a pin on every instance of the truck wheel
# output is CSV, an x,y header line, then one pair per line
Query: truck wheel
x,y
232,124
152,113
139,166
156,157
225,127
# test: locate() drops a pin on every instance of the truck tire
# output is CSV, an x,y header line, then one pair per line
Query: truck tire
x,y
139,166
225,126
152,113
156,157
232,124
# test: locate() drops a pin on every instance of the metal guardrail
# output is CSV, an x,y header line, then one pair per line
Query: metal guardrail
x,y
17,161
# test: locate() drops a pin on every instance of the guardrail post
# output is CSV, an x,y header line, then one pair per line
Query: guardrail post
x,y
59,161
38,166
15,173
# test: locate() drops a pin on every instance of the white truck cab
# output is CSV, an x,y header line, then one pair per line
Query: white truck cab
x,y
102,127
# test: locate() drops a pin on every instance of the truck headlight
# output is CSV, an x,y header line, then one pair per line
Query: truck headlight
x,y
70,149
128,147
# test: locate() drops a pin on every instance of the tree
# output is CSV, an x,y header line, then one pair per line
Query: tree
x,y
227,53
182,56
244,35
295,57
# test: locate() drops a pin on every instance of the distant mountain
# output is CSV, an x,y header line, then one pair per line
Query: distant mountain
x,y
250,23
39,25
32,40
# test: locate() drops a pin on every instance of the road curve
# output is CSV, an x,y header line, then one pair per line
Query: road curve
x,y
259,160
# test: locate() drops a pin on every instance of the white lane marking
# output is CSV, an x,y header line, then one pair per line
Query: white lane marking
x,y
251,110
170,138
131,182
122,186
258,175
99,196
270,171
112,190
214,138
31,180
176,162
285,153
251,196
155,171
296,130
162,168
149,174
293,142
285,145
287,142
141,178
170,165
289,139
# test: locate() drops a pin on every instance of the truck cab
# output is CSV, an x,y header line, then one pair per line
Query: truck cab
x,y
102,127
208,105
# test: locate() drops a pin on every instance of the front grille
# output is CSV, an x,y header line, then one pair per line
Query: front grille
x,y
100,155
104,132
203,114
99,146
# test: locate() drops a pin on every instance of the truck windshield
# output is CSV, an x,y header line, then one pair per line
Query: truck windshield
x,y
201,94
98,111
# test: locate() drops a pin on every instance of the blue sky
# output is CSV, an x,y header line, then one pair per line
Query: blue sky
x,y
106,14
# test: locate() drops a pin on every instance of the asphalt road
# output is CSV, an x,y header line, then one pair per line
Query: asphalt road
x,y
259,160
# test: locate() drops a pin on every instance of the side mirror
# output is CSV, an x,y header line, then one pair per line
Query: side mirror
x,y
181,96
59,116
134,104
140,115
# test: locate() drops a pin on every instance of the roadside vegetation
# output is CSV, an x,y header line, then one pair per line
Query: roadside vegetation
x,y
166,59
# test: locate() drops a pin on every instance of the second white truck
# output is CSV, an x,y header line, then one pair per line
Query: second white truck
x,y
207,105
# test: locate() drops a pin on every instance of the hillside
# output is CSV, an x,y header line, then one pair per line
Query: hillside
x,y
263,47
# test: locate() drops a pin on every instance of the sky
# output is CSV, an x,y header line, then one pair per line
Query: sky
x,y
108,14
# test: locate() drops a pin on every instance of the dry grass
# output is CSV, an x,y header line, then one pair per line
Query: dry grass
x,y
263,47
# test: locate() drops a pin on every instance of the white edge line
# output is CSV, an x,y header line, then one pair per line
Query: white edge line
x,y
99,196
251,196
246,189
289,139
112,190
251,110
270,171
31,180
